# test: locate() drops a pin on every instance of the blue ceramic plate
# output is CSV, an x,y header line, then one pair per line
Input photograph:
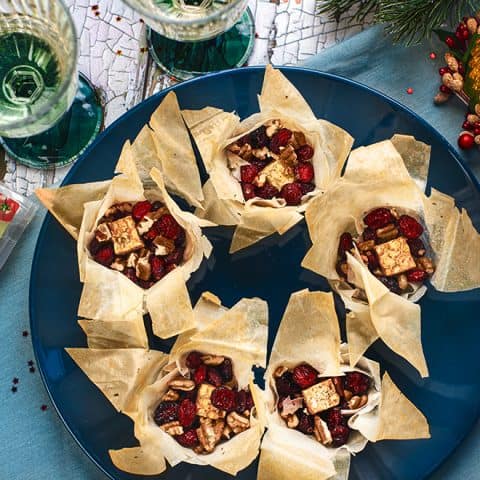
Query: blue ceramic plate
x,y
450,398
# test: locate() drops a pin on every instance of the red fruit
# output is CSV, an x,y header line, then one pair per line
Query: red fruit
x,y
168,227
166,412
369,234
158,267
248,173
467,125
304,172
188,439
417,275
292,193
305,376
378,218
466,141
243,140
280,139
248,191
334,418
140,210
417,248
200,374
358,383
409,227
267,191
105,255
152,233
450,41
214,377
304,153
94,246
307,187
442,71
340,435
258,138
193,360
373,262
285,385
226,370
224,398
187,412
241,401
305,424
345,245
175,258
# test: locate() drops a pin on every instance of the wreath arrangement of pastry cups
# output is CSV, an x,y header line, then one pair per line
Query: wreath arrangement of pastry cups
x,y
214,130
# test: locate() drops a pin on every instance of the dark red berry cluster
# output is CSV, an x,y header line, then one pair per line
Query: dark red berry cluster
x,y
158,251
189,410
383,225
352,390
290,149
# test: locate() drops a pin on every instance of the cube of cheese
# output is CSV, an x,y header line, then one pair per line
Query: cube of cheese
x,y
125,236
205,408
278,174
395,257
321,397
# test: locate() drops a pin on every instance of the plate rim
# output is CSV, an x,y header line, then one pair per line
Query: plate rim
x,y
156,97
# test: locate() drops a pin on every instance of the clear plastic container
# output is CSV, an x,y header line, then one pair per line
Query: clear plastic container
x,y
16,212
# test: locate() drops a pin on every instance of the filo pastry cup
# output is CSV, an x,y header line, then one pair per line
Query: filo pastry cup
x,y
214,129
390,174
309,333
239,333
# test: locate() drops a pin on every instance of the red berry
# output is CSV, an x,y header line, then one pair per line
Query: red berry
x,y
258,138
292,193
193,360
243,140
176,257
304,172
345,244
280,139
334,418
168,227
188,439
358,383
466,141
467,125
416,275
340,435
224,398
305,424
369,234
140,210
158,268
417,248
373,262
445,89
304,153
165,412
410,90
105,255
378,218
409,227
248,173
307,187
214,377
248,191
187,411
442,71
226,370
94,246
476,131
286,385
450,41
305,376
200,374
267,191
244,401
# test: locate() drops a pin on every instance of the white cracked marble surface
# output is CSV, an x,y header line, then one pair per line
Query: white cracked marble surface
x,y
113,56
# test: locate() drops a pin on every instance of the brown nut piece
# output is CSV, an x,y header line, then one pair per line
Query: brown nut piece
x,y
170,396
227,432
102,233
347,394
321,431
182,384
366,245
118,265
279,371
172,428
143,269
209,433
238,423
402,282
387,233
426,264
272,127
338,382
354,402
124,207
292,421
212,360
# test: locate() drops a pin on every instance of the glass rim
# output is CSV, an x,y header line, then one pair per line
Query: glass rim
x,y
201,20
66,81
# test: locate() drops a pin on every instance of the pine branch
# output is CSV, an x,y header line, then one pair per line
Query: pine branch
x,y
408,21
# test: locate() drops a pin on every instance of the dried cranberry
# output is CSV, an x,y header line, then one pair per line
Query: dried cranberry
x,y
258,138
340,435
378,218
152,233
260,164
305,375
166,412
94,246
248,173
267,191
306,423
292,193
188,439
193,360
285,385
417,275
175,258
280,139
145,284
307,188
304,172
345,245
180,240
214,377
243,140
249,398
391,283
226,370
141,209
105,255
409,227
168,227
130,274
334,417
358,383
369,234
200,374
373,263
158,267
241,401
248,191
417,247
305,152
224,398
187,412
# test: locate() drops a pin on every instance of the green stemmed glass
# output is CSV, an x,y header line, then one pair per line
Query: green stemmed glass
x,y
191,37
48,113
